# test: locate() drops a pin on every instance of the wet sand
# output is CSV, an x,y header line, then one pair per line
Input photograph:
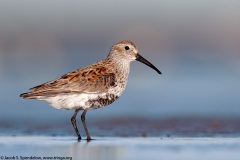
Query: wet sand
x,y
126,127
111,148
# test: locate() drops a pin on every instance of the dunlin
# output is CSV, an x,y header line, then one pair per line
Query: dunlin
x,y
91,87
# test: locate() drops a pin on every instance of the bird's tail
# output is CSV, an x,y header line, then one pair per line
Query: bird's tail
x,y
25,95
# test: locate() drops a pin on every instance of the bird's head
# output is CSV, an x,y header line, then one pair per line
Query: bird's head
x,y
127,51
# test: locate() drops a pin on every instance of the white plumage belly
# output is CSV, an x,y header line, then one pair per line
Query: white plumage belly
x,y
83,101
70,101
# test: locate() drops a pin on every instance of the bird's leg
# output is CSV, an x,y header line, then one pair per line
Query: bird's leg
x,y
84,124
73,120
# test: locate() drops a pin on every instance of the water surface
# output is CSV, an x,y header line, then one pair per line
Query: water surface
x,y
111,148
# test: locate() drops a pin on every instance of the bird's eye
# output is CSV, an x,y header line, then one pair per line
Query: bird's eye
x,y
127,48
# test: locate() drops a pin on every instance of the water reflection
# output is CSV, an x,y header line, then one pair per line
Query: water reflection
x,y
92,150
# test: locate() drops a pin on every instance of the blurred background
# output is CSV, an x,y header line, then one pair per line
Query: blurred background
x,y
195,44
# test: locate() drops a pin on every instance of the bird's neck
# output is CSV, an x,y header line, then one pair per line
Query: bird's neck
x,y
121,65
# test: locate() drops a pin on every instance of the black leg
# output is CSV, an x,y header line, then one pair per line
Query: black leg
x,y
73,119
84,124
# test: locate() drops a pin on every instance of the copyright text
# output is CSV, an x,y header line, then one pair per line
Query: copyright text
x,y
34,158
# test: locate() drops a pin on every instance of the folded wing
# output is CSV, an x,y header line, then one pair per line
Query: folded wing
x,y
93,80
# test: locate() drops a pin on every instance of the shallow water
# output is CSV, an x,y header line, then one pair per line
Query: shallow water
x,y
109,148
123,138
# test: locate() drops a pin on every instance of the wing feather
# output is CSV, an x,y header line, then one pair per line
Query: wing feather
x,y
94,79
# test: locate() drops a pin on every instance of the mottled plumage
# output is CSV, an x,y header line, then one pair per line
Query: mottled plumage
x,y
91,87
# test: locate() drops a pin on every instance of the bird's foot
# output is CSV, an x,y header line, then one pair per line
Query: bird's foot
x,y
79,138
89,139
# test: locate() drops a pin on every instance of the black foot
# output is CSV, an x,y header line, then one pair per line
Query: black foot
x,y
89,139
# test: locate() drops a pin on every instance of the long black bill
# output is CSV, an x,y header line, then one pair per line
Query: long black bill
x,y
143,60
